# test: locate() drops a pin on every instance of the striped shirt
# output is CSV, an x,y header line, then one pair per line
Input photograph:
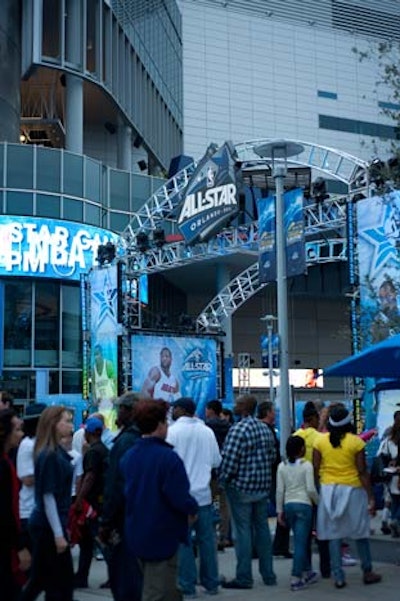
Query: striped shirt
x,y
248,457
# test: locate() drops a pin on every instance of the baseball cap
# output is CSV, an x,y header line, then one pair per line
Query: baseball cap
x,y
92,424
187,404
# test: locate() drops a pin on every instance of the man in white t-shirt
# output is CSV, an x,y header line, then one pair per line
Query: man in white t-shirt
x,y
26,468
197,446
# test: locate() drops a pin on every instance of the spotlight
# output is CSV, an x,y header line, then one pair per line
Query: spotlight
x,y
142,165
162,321
185,322
159,237
110,127
376,172
319,190
106,253
142,242
138,141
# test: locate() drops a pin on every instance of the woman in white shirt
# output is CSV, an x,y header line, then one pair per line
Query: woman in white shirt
x,y
295,494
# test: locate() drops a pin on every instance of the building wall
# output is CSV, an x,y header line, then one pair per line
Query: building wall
x,y
289,72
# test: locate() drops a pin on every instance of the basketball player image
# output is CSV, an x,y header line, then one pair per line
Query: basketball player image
x,y
104,384
160,382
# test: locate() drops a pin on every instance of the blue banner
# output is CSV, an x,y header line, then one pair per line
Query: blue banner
x,y
267,239
104,328
274,349
293,220
209,200
168,367
50,248
378,220
228,401
1,326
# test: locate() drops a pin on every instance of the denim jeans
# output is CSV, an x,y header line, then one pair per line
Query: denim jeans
x,y
364,553
299,519
207,545
249,513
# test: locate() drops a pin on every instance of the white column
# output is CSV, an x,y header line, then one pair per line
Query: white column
x,y
124,147
74,114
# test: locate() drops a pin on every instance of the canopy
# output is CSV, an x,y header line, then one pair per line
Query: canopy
x,y
380,360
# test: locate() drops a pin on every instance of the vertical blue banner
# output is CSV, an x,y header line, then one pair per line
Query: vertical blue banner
x,y
103,334
378,221
293,220
228,378
267,239
1,326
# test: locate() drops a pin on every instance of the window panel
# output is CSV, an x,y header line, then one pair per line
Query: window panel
x,y
20,166
19,203
48,205
71,353
17,322
48,170
47,312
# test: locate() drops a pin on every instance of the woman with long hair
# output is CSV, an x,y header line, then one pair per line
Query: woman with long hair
x,y
10,436
346,498
52,569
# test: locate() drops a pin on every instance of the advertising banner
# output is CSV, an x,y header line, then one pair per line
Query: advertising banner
x,y
274,349
293,220
103,334
267,240
378,221
50,248
168,367
209,200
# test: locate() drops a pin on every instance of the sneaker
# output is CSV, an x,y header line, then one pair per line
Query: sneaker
x,y
371,578
298,585
311,578
348,560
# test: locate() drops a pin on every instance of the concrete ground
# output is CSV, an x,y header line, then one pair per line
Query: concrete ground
x,y
385,553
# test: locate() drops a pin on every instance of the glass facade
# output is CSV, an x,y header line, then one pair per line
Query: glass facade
x,y
69,186
128,51
42,317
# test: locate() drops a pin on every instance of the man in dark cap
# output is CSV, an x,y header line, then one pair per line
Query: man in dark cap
x,y
95,463
197,446
125,577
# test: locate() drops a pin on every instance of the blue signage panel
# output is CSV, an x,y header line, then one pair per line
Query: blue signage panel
x,y
32,246
168,367
209,199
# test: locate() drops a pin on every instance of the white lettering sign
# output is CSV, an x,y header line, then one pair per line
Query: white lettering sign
x,y
202,201
37,247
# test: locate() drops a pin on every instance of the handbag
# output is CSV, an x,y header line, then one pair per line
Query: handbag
x,y
378,474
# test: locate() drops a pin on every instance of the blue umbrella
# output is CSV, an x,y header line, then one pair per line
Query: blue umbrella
x,y
380,360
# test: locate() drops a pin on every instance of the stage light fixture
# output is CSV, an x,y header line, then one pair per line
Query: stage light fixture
x,y
106,253
319,190
159,237
142,242
142,165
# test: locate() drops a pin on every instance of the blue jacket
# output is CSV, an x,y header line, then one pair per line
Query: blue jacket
x,y
157,500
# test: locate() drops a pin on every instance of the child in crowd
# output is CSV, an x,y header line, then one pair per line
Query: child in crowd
x,y
295,495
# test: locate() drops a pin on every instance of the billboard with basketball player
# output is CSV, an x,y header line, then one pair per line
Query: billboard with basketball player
x,y
168,367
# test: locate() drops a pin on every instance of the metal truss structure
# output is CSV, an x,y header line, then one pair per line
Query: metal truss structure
x,y
325,228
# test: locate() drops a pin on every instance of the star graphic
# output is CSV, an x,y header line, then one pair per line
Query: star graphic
x,y
105,298
383,246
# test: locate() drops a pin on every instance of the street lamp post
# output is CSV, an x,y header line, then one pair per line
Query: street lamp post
x,y
278,151
269,319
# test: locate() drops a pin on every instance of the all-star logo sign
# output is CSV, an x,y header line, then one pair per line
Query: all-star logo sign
x,y
196,365
210,197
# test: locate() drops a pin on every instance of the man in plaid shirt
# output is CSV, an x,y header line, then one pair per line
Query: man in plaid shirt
x,y
248,456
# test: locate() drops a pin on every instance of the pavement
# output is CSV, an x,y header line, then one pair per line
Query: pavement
x,y
386,561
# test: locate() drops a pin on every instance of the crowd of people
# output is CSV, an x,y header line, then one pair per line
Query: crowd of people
x,y
169,488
